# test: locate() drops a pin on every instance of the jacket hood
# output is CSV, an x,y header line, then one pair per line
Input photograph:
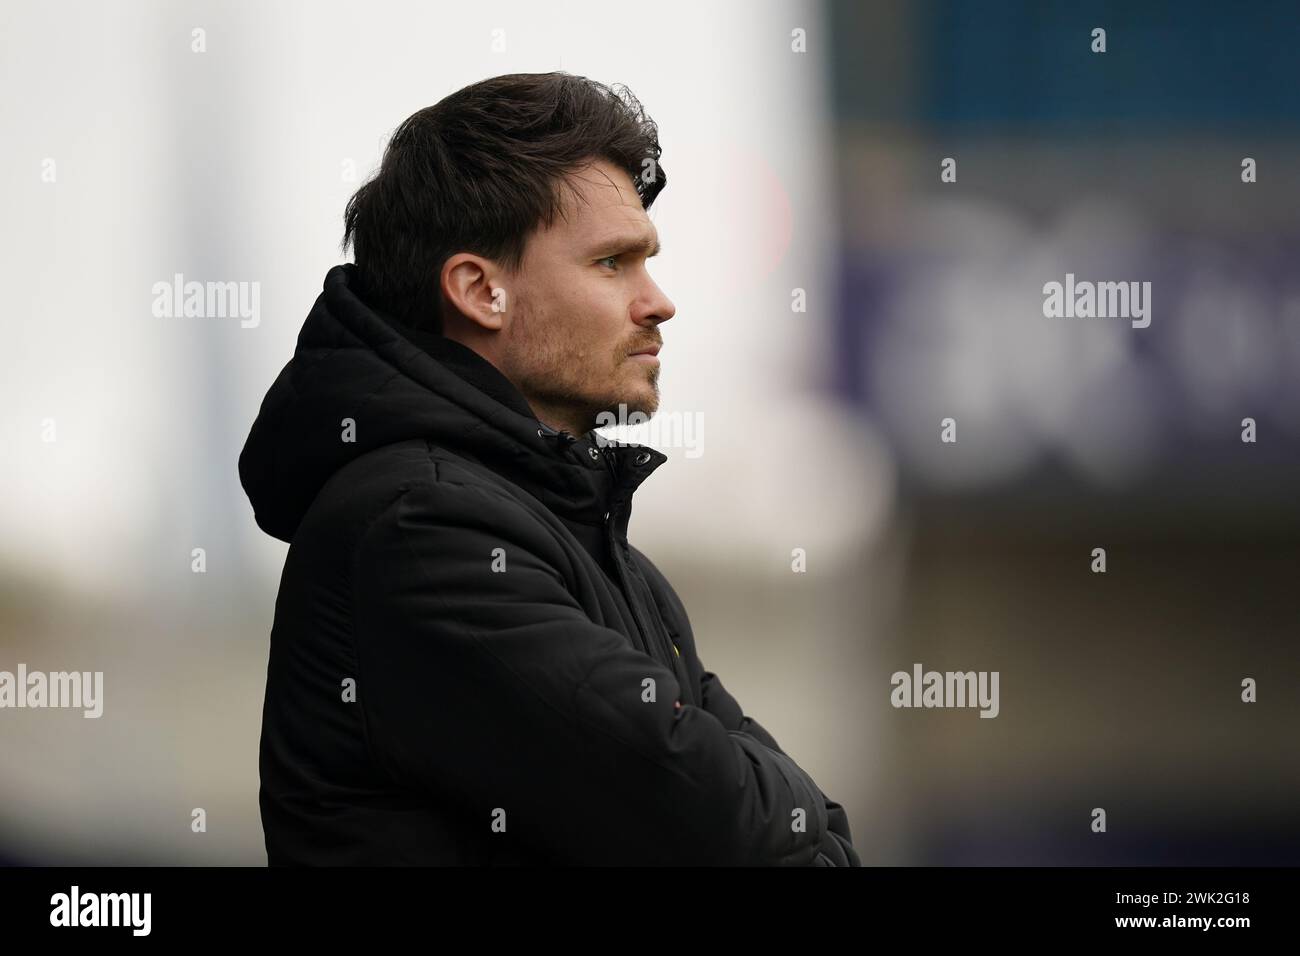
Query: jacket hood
x,y
396,384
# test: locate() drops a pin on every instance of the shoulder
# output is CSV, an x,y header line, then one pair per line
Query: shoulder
x,y
415,485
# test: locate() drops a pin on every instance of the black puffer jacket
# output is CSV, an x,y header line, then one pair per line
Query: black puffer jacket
x,y
469,663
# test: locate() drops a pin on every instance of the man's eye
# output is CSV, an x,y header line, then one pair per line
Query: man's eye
x,y
613,259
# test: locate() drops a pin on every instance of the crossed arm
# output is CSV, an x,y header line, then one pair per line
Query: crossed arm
x,y
837,847
497,692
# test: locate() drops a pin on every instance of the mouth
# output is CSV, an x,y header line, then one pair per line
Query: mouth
x,y
649,356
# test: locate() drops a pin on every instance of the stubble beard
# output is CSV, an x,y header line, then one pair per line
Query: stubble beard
x,y
558,389
561,379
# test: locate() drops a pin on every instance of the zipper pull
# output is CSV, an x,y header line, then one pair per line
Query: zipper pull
x,y
546,431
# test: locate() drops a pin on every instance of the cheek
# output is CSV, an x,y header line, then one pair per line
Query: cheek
x,y
579,321
612,311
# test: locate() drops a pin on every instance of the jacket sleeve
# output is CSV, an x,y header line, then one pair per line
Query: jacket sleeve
x,y
484,684
837,848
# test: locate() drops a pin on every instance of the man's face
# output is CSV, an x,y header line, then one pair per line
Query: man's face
x,y
582,303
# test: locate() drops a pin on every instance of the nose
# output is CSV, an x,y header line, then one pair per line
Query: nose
x,y
655,307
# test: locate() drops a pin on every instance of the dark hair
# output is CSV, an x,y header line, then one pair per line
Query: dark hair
x,y
478,172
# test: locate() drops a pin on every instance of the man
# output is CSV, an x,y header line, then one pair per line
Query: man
x,y
470,663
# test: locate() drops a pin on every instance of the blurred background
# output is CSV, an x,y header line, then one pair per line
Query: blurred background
x,y
836,301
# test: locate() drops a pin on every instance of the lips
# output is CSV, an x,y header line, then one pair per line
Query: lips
x,y
652,350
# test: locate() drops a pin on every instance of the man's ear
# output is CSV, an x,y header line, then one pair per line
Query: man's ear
x,y
473,286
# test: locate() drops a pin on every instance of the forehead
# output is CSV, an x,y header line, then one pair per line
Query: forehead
x,y
599,204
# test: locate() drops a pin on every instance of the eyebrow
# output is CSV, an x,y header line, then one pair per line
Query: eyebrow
x,y
643,244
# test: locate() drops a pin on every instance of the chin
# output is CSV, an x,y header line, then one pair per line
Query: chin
x,y
632,403
647,403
